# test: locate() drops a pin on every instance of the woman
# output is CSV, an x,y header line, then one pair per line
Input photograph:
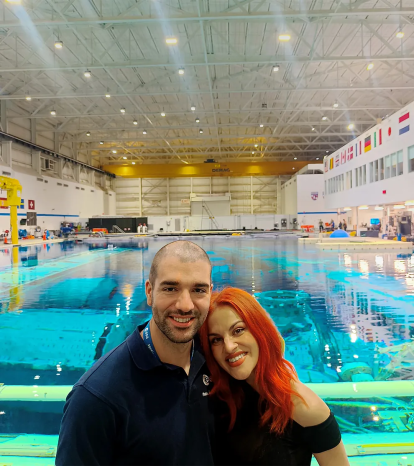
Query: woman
x,y
269,416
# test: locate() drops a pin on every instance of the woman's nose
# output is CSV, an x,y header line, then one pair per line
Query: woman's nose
x,y
230,345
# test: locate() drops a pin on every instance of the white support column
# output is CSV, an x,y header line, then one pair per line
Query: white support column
x,y
59,168
6,153
168,196
191,186
56,147
76,173
210,184
91,177
36,163
278,196
33,127
251,195
3,116
140,197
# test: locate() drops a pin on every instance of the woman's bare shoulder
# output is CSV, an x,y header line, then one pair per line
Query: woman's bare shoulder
x,y
310,411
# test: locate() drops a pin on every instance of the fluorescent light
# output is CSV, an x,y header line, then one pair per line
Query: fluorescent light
x,y
284,37
400,34
171,41
336,105
53,112
107,96
87,74
197,120
201,131
409,203
88,133
324,118
113,151
363,207
295,158
252,152
276,68
135,122
317,158
378,207
124,158
256,145
28,98
58,44
181,71
351,126
100,142
370,66
144,132
163,114
327,151
347,209
261,125
133,163
122,110
192,108
399,206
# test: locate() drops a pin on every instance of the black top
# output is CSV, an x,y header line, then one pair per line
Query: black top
x,y
130,409
250,444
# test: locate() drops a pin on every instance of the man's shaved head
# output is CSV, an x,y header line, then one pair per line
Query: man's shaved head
x,y
185,251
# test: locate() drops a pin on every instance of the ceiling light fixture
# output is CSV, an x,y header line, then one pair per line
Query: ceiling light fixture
x,y
122,110
347,209
171,41
192,108
252,152
324,118
256,145
133,163
201,131
87,74
162,114
197,120
378,207
317,158
363,207
107,96
181,71
295,158
327,151
124,158
17,2
88,133
313,129
351,126
135,122
409,203
58,44
400,34
261,125
53,112
144,132
113,151
399,206
293,168
284,37
370,66
276,68
336,105
100,142
28,98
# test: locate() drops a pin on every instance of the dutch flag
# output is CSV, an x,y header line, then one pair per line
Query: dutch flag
x,y
404,123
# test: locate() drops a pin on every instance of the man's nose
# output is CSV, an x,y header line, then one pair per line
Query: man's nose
x,y
184,302
230,345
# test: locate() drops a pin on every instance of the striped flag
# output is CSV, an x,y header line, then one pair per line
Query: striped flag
x,y
337,160
360,147
350,152
367,144
404,123
331,163
378,137
343,156
325,162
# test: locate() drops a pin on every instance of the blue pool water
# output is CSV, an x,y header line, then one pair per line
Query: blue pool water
x,y
345,317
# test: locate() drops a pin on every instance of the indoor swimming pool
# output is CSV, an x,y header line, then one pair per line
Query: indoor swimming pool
x,y
347,320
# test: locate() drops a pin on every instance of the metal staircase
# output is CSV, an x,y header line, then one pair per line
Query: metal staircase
x,y
210,215
116,229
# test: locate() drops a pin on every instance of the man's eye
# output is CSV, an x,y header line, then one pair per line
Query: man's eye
x,y
200,290
169,289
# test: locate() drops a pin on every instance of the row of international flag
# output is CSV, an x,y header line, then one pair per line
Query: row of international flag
x,y
368,143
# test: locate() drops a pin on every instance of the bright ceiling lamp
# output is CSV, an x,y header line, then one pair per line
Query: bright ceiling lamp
x,y
16,2
409,203
351,126
363,207
124,158
335,105
133,163
276,68
192,108
101,142
135,122
261,125
144,132
370,66
324,118
252,152
347,208
58,44
399,206
53,112
295,158
163,114
88,133
122,110
313,129
284,37
400,34
201,131
317,158
113,151
171,41
379,207
197,120
181,71
87,74
28,98
256,145
108,96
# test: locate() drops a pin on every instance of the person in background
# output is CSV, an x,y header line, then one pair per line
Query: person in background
x,y
340,225
145,402
270,417
344,225
320,226
332,225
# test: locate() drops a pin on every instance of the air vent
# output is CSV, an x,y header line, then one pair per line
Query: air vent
x,y
66,186
110,194
40,179
45,181
82,189
92,191
6,173
59,184
77,187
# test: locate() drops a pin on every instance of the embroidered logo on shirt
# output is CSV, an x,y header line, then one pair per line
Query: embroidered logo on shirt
x,y
206,379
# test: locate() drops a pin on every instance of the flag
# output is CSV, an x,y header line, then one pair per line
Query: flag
x,y
404,123
343,156
350,152
380,136
326,165
356,149
21,206
360,147
367,144
375,139
337,160
331,163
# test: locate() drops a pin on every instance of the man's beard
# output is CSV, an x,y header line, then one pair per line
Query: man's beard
x,y
177,335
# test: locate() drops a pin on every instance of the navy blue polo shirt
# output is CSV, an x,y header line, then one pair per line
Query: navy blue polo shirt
x,y
130,409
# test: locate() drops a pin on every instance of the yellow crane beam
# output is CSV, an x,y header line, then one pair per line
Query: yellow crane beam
x,y
14,191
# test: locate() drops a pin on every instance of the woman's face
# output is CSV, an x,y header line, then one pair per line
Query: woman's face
x,y
233,346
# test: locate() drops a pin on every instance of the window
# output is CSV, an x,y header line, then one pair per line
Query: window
x,y
387,166
400,168
376,170
364,174
393,164
371,172
356,177
411,159
381,169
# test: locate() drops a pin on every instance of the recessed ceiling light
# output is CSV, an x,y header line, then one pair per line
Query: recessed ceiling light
x,y
197,120
276,68
351,126
336,105
370,66
144,132
400,34
181,71
122,110
88,133
53,112
256,145
295,158
284,37
133,163
162,113
87,74
107,96
28,98
192,108
171,41
201,131
124,158
261,125
113,151
135,122
100,142
313,129
58,44
324,118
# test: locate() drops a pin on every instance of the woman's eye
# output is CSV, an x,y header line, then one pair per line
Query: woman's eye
x,y
215,341
239,331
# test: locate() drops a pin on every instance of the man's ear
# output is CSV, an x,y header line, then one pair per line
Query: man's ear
x,y
148,292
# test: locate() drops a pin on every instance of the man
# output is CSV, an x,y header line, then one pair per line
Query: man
x,y
146,401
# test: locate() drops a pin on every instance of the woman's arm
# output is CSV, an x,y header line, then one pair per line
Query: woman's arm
x,y
312,411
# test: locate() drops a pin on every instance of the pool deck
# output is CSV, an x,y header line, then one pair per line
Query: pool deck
x,y
357,244
31,242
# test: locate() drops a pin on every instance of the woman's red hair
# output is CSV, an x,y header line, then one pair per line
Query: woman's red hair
x,y
273,374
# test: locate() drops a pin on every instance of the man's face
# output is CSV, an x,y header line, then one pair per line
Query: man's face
x,y
180,298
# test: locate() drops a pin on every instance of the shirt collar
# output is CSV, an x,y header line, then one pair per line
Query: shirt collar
x,y
143,357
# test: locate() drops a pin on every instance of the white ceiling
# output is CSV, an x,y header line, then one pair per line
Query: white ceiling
x,y
227,49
